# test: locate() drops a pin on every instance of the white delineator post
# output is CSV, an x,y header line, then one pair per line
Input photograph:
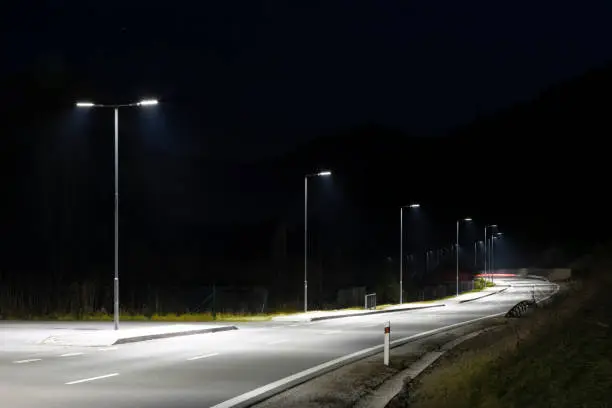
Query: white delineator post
x,y
387,342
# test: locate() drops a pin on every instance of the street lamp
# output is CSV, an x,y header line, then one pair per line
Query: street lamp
x,y
476,245
457,250
486,243
319,174
401,262
493,238
144,102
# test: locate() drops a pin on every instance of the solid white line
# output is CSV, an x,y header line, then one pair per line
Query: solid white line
x,y
71,354
331,332
108,348
277,342
31,360
294,325
92,379
240,399
203,356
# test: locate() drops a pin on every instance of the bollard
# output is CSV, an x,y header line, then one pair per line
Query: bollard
x,y
387,342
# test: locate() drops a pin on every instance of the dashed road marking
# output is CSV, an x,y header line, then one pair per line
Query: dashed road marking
x,y
203,356
108,349
31,360
71,354
331,332
92,378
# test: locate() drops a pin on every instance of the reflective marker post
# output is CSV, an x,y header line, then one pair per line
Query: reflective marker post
x,y
387,342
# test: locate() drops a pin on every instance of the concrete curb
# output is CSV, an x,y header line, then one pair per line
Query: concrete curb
x,y
175,334
269,390
262,393
314,319
381,397
393,387
105,338
484,296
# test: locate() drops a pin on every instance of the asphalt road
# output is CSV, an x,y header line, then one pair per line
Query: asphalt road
x,y
201,370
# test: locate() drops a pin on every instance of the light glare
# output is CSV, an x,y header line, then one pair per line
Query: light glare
x,y
415,205
84,104
324,173
467,219
148,102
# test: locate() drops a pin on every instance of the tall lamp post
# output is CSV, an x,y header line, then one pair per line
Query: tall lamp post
x,y
401,262
486,241
457,251
493,238
144,102
319,174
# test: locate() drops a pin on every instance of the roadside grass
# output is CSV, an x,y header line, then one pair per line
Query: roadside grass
x,y
479,285
207,316
170,317
557,357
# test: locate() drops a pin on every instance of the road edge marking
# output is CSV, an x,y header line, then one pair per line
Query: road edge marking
x,y
92,379
266,391
273,388
202,356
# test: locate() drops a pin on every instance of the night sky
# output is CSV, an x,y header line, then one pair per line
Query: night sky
x,y
267,75
250,93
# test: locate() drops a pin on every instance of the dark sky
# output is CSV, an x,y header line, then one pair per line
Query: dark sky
x,y
269,75
242,81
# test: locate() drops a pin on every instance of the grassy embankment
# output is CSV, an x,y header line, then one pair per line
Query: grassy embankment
x,y
479,285
207,316
558,357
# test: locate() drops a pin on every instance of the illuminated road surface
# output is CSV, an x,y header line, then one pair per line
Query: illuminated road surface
x,y
203,370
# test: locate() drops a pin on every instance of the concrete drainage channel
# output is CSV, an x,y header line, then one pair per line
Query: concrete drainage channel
x,y
385,393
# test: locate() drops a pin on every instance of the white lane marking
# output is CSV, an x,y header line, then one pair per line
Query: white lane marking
x,y
71,354
277,342
296,378
294,325
108,348
31,360
92,378
331,332
373,325
203,356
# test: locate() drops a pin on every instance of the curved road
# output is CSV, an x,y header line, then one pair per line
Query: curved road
x,y
209,369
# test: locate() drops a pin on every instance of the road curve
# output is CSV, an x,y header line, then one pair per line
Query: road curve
x,y
209,369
